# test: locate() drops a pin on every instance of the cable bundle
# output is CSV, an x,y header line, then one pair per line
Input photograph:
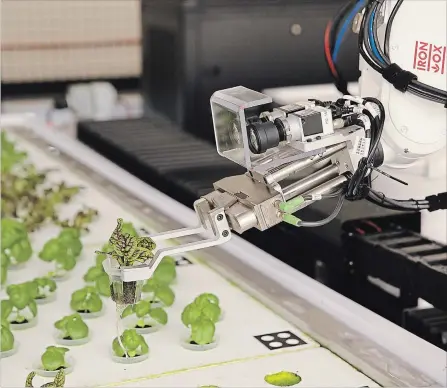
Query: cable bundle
x,y
378,58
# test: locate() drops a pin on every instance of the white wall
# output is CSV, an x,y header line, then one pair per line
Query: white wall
x,y
46,40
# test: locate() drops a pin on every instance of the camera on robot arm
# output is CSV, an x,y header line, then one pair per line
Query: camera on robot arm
x,y
301,153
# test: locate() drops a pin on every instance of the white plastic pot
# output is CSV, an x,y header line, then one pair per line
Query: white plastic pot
x,y
186,343
24,326
11,352
38,368
66,342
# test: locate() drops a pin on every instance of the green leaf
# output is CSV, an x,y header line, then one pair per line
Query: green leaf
x,y
76,328
190,314
5,260
100,257
129,310
3,274
131,339
70,234
19,295
165,273
212,312
103,285
202,331
142,308
282,379
61,323
94,302
51,250
165,295
6,339
67,262
128,228
117,349
169,260
150,285
32,305
6,308
205,298
22,251
93,273
12,232
33,288
44,284
159,315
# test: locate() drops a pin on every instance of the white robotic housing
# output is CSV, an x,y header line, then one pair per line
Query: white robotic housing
x,y
414,136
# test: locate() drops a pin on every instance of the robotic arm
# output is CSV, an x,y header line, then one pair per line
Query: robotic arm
x,y
313,150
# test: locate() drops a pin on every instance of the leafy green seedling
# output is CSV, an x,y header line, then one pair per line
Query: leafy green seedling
x,y
81,220
43,287
102,284
6,336
72,327
201,307
63,250
58,382
21,307
146,315
127,250
86,300
133,344
282,379
126,228
159,292
15,242
202,331
54,358
10,156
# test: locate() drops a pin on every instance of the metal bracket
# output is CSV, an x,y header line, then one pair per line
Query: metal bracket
x,y
221,233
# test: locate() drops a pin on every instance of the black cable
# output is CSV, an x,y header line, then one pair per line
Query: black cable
x,y
390,26
413,86
339,81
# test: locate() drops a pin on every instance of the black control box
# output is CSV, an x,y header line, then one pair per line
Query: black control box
x,y
193,48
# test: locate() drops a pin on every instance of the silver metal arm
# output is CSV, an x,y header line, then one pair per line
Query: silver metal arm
x,y
213,222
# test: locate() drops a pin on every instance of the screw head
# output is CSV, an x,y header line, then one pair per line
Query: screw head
x,y
225,233
220,217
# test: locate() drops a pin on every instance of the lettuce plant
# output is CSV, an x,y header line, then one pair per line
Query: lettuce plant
x,y
20,308
145,316
72,327
86,300
54,358
15,243
63,250
130,344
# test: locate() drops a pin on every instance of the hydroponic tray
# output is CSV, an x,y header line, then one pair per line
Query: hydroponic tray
x,y
253,341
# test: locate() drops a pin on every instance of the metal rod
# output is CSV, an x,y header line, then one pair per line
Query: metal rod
x,y
299,165
324,188
311,181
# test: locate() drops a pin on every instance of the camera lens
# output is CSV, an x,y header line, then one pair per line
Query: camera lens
x,y
262,136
